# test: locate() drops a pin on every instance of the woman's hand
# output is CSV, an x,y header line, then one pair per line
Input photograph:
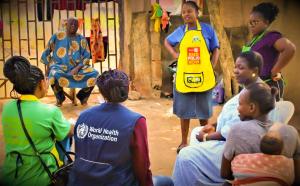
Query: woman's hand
x,y
208,129
200,136
276,77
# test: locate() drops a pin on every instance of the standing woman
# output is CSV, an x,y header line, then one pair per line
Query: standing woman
x,y
44,123
276,50
199,52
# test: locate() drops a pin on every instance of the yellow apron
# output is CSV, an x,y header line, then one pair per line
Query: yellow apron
x,y
194,69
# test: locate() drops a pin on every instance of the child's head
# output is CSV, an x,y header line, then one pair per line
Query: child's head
x,y
113,85
257,100
271,143
25,78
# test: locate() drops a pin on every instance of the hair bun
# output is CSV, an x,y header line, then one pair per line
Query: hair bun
x,y
16,68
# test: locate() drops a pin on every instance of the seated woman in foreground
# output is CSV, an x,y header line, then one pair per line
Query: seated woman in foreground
x,y
45,124
111,142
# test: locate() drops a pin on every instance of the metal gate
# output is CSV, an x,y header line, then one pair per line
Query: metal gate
x,y
27,25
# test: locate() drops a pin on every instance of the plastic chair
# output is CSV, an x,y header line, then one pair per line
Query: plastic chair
x,y
282,112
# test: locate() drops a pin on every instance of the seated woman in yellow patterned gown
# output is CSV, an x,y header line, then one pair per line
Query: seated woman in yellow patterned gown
x,y
67,57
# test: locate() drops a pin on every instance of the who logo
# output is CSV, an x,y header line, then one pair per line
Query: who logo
x,y
82,130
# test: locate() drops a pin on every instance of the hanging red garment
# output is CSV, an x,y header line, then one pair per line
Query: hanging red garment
x,y
96,42
68,4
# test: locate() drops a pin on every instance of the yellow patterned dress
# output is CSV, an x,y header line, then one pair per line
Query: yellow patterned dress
x,y
64,53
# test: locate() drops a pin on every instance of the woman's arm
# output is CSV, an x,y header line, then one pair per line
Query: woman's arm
x,y
171,49
71,131
215,57
226,171
287,50
210,136
140,153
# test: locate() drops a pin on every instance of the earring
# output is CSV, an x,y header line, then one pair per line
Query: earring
x,y
253,75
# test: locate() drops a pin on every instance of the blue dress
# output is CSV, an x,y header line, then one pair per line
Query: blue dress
x,y
193,105
64,53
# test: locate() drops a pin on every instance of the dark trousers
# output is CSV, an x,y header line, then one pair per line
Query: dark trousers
x,y
83,95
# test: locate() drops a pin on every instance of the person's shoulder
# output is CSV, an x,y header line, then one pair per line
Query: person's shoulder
x,y
47,107
242,126
132,112
91,110
284,129
180,28
206,26
274,34
237,127
8,105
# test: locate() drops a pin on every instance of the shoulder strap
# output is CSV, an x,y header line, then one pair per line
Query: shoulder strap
x,y
257,38
197,24
64,151
30,140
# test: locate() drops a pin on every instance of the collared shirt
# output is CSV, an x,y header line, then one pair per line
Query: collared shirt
x,y
208,33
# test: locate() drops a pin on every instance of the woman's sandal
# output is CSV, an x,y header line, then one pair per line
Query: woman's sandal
x,y
181,146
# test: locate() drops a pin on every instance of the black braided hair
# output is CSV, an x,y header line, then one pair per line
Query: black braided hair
x,y
253,59
24,77
113,85
269,11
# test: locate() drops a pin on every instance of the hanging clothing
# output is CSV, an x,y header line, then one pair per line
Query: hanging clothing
x,y
67,53
165,21
96,42
68,5
156,16
41,5
56,4
1,28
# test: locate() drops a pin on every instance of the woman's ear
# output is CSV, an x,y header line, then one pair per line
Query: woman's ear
x,y
43,86
255,70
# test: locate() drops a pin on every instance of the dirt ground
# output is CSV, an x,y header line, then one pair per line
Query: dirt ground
x,y
163,128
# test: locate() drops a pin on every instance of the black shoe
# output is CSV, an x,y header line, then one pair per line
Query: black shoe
x,y
59,102
83,102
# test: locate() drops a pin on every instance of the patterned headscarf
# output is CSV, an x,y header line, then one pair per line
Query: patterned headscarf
x,y
112,78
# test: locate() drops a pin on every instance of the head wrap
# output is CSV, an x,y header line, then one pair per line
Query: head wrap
x,y
112,78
